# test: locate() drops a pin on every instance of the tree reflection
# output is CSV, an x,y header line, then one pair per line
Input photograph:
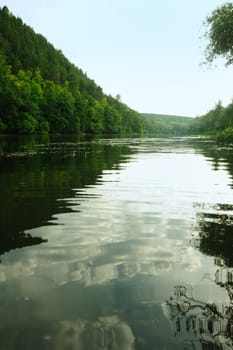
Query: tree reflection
x,y
220,157
215,231
201,325
18,241
105,333
36,172
208,325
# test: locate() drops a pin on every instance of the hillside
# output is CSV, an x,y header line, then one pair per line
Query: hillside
x,y
218,122
41,91
166,124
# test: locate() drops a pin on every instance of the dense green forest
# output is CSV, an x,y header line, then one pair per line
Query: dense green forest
x,y
41,91
162,124
217,122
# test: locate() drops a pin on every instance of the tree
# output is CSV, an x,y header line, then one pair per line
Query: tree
x,y
118,97
41,91
219,34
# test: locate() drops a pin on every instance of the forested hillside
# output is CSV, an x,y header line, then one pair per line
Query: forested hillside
x,y
217,122
163,124
41,91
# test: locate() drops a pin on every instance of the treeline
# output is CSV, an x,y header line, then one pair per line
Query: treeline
x,y
217,122
41,91
162,124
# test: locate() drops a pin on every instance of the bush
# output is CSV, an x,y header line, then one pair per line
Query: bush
x,y
2,126
225,136
28,124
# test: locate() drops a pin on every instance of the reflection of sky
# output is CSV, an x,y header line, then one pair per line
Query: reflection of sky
x,y
135,221
85,335
124,248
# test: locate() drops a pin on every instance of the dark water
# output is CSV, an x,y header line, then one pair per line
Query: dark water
x,y
116,244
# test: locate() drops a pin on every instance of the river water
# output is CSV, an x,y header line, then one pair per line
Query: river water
x,y
115,244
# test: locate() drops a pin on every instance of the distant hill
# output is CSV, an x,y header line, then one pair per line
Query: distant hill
x,y
166,124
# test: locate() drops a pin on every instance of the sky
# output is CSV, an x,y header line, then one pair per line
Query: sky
x,y
147,51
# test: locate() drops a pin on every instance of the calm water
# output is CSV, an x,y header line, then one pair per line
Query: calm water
x,y
116,244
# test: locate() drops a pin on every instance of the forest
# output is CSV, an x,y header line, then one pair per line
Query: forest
x,y
218,122
41,91
163,124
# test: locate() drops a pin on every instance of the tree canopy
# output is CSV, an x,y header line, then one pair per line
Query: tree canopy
x,y
219,34
41,91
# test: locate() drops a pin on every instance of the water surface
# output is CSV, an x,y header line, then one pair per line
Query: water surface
x,y
116,244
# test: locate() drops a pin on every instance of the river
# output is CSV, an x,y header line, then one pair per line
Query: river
x,y
115,244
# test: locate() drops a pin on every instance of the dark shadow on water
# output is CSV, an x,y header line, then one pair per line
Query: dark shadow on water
x,y
215,231
36,182
197,323
220,157
9,242
37,176
200,325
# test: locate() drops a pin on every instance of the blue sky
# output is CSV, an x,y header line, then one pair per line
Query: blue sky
x,y
147,51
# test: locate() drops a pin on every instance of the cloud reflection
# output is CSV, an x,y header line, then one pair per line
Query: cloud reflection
x,y
107,332
93,264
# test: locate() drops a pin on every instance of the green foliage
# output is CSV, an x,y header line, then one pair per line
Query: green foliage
x,y
225,136
112,120
212,121
2,126
217,122
27,124
219,34
166,124
41,91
